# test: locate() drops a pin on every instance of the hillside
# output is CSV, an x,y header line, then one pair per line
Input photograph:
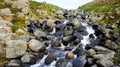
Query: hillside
x,y
110,10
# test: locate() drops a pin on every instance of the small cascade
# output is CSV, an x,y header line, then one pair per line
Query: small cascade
x,y
60,51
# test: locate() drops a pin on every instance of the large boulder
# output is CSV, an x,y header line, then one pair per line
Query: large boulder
x,y
15,48
36,45
6,14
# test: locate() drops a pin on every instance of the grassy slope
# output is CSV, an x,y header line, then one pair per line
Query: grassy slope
x,y
104,8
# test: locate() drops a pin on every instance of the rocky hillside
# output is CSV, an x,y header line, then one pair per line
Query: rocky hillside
x,y
110,9
16,14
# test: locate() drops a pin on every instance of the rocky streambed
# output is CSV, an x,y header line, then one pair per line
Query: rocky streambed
x,y
71,42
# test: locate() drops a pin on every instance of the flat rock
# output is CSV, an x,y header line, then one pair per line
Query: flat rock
x,y
36,45
15,48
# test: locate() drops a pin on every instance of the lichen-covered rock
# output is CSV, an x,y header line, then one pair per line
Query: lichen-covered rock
x,y
15,48
36,45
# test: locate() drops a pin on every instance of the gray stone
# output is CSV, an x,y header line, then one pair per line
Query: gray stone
x,y
20,14
14,63
100,48
91,52
25,10
110,55
51,23
39,33
105,63
15,48
24,37
36,45
28,58
76,22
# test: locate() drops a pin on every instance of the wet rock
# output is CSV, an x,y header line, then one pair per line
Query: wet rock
x,y
80,28
15,48
59,33
105,63
91,52
77,63
76,22
39,33
61,62
36,45
55,43
69,39
14,63
116,35
90,61
50,58
60,26
78,35
69,55
28,58
94,65
68,32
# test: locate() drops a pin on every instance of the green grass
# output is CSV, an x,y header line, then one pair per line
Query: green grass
x,y
47,7
33,6
18,23
1,1
97,7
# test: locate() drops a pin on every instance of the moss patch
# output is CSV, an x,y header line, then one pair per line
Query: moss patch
x,y
18,23
3,61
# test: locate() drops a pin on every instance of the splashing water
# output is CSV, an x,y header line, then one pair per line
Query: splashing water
x,y
86,40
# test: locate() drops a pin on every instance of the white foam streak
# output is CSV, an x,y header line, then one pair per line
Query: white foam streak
x,y
86,39
40,63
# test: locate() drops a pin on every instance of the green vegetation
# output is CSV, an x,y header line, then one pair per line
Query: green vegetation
x,y
46,7
97,7
18,23
3,61
1,1
33,6
104,8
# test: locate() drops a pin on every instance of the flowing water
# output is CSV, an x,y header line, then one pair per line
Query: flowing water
x,y
62,53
